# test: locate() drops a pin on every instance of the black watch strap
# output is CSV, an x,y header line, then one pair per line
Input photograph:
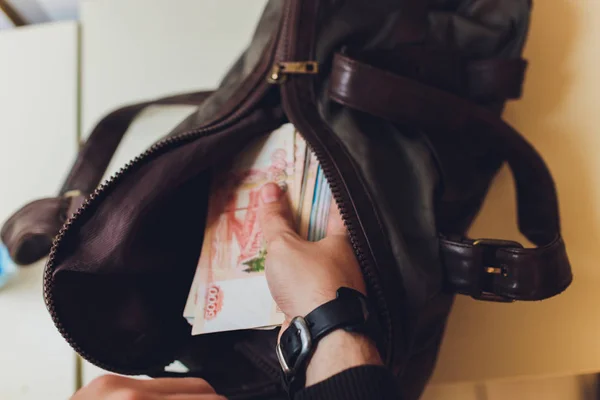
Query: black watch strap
x,y
348,311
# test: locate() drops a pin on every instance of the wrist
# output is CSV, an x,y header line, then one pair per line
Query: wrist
x,y
314,300
328,340
339,351
310,303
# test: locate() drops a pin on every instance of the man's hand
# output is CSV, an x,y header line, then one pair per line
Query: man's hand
x,y
303,275
113,387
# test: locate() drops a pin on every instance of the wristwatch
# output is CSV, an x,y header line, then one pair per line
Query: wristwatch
x,y
349,311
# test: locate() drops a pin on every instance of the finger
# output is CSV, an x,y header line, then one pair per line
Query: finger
x,y
335,224
126,394
175,386
195,397
274,213
129,394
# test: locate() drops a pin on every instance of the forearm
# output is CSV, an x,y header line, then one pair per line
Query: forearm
x,y
339,351
347,366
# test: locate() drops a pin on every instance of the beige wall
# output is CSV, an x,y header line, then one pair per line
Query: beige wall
x,y
563,388
560,115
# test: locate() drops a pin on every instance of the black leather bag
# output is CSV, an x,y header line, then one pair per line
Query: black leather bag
x,y
400,101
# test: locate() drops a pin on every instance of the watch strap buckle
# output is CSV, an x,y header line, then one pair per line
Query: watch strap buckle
x,y
289,367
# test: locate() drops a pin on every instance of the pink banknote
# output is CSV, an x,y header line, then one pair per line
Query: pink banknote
x,y
231,291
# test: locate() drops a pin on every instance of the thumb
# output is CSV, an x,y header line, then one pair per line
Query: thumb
x,y
274,213
335,224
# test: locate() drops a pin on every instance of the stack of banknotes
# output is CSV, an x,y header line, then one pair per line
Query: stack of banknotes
x,y
229,290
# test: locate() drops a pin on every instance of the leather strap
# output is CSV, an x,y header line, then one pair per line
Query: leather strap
x,y
345,311
95,155
495,79
489,269
349,310
29,232
484,80
501,270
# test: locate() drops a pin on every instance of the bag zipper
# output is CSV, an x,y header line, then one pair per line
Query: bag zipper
x,y
304,72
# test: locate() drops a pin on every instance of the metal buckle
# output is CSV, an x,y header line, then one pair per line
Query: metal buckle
x,y
494,269
306,344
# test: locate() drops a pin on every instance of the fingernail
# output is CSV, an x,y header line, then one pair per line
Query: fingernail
x,y
270,193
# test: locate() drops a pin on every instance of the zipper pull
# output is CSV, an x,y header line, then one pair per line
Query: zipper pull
x,y
280,70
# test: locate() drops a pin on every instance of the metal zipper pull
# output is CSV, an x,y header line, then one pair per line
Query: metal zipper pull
x,y
280,70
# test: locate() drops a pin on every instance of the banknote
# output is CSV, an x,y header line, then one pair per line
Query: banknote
x,y
314,210
320,207
324,209
307,194
229,290
300,150
232,291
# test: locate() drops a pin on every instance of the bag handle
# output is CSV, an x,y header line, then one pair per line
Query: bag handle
x,y
29,232
485,269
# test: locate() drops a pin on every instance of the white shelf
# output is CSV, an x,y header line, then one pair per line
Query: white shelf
x,y
38,96
154,49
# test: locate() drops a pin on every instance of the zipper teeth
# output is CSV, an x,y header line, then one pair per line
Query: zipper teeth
x,y
280,53
339,194
340,197
94,196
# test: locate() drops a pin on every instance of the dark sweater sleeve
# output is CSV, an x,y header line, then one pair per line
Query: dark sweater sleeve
x,y
360,383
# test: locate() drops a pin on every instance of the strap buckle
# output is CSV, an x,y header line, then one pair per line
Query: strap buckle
x,y
305,347
491,268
